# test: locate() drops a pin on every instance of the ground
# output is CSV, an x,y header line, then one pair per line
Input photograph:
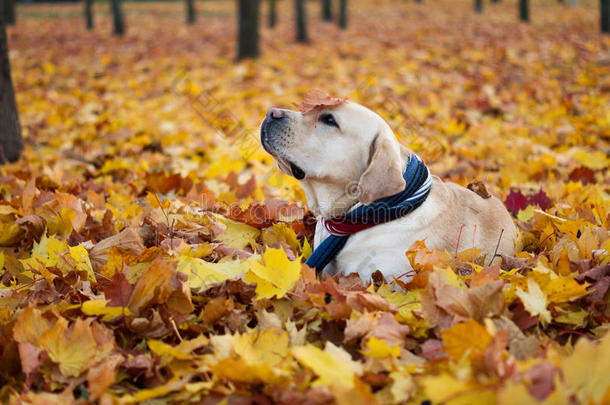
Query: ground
x,y
143,195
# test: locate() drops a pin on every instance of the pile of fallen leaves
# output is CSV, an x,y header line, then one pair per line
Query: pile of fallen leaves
x,y
151,252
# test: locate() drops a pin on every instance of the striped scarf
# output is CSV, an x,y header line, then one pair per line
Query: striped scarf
x,y
419,182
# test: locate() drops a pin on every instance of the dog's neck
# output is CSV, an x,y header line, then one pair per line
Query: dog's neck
x,y
331,199
328,199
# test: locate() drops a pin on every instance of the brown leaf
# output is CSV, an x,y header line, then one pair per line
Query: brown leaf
x,y
180,299
599,277
540,380
153,286
481,302
30,356
317,99
488,274
128,240
102,376
389,330
519,345
382,326
151,326
363,301
216,309
33,227
118,290
432,349
479,188
494,354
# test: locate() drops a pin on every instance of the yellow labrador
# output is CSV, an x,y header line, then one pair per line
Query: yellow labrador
x,y
346,156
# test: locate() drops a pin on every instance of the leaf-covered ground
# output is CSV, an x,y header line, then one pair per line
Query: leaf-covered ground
x,y
152,252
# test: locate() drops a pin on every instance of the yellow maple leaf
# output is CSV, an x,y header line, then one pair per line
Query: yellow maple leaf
x,y
281,233
202,274
238,369
534,300
380,349
49,248
276,276
99,308
61,222
332,365
255,358
468,338
9,233
585,371
163,349
592,160
563,289
73,353
174,384
30,325
526,214
442,388
269,347
237,235
81,259
306,249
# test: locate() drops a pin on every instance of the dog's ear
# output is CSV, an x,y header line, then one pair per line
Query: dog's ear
x,y
383,176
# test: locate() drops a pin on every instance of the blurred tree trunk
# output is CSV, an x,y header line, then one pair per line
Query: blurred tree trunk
x,y
248,42
327,10
495,1
89,14
301,18
272,13
117,16
604,8
342,14
191,13
11,143
8,9
478,6
524,10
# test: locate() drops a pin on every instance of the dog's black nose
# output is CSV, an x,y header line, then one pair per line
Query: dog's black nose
x,y
275,113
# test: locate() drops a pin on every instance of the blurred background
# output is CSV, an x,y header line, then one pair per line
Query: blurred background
x,y
500,90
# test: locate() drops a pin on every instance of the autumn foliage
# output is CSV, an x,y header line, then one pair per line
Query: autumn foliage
x,y
151,251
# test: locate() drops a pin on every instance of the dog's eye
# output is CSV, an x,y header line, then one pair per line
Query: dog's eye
x,y
328,119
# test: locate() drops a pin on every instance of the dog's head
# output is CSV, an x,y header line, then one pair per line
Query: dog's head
x,y
341,153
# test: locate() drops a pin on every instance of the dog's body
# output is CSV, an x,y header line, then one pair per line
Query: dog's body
x,y
350,156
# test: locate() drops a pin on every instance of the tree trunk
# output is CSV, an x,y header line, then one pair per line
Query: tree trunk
x,y
604,8
191,14
343,14
9,11
248,43
478,6
495,1
117,16
272,13
327,10
524,10
89,14
301,18
11,143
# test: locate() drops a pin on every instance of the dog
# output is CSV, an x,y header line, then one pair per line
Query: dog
x,y
346,156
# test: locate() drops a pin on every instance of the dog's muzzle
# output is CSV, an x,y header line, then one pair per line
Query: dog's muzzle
x,y
275,138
